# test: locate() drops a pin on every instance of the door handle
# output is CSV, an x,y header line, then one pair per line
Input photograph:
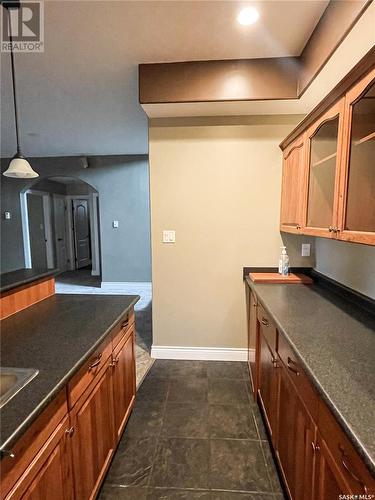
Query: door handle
x,y
59,239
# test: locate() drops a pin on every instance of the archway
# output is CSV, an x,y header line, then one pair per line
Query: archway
x,y
60,224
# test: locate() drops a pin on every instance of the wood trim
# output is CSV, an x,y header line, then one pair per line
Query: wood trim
x,y
366,64
25,296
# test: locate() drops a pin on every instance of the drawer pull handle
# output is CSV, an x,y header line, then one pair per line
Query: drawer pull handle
x,y
290,367
347,467
264,322
7,453
96,363
125,323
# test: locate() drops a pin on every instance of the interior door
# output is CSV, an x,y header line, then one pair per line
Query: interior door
x,y
81,224
60,232
37,233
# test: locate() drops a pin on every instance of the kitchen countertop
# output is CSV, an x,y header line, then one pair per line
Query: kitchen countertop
x,y
14,279
334,340
55,336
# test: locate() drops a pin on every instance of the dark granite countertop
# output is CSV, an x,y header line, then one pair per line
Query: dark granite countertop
x,y
334,340
55,336
14,279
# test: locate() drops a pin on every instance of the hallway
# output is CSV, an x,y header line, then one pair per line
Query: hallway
x,y
195,433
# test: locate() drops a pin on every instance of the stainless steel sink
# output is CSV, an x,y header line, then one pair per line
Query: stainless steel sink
x,y
12,380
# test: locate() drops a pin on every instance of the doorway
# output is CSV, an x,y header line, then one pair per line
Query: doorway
x,y
60,223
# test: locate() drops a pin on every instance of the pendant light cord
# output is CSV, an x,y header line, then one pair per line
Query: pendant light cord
x,y
13,81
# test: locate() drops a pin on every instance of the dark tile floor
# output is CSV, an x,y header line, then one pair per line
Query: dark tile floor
x,y
195,433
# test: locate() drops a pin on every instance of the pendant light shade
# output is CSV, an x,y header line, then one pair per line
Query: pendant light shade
x,y
20,168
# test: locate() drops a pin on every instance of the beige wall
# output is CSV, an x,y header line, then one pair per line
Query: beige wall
x,y
349,263
216,182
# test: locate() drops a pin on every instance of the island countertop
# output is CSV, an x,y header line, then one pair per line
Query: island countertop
x,y
20,277
334,340
55,336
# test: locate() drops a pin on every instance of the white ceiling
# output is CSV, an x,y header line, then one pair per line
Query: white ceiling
x,y
81,95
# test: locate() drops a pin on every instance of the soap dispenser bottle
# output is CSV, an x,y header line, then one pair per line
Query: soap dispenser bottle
x,y
284,262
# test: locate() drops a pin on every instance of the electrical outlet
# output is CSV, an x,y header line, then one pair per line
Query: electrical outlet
x,y
169,236
305,250
115,224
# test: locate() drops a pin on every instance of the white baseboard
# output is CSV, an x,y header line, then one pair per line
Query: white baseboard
x,y
200,353
113,285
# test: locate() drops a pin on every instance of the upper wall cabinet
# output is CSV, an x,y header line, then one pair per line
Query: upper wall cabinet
x,y
323,144
328,186
357,188
292,184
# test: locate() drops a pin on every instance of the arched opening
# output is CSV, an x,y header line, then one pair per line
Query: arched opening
x,y
60,224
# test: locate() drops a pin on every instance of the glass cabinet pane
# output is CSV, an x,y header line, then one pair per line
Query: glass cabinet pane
x,y
322,170
360,208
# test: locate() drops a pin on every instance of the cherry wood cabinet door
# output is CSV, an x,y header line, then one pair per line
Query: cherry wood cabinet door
x,y
124,383
323,148
49,476
292,186
329,483
357,186
268,384
295,441
92,438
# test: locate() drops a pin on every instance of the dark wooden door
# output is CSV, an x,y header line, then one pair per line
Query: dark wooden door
x,y
50,474
92,438
123,383
37,230
268,384
296,441
329,483
82,233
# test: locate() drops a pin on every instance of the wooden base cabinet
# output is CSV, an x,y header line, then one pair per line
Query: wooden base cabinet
x,y
316,459
92,437
124,383
49,476
66,452
296,437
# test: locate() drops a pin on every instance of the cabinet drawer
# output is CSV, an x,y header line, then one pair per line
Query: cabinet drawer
x,y
304,387
350,464
267,328
122,328
88,372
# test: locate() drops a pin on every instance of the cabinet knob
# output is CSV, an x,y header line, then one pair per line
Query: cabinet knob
x,y
298,226
7,453
315,447
70,431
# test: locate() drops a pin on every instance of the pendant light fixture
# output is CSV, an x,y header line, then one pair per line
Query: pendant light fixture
x,y
18,167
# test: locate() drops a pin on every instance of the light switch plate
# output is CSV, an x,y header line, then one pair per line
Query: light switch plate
x,y
169,236
305,250
115,224
7,215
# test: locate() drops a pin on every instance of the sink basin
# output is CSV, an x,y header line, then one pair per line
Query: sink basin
x,y
12,380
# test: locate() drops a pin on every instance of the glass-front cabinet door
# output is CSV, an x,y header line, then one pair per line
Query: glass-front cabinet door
x,y
323,147
357,186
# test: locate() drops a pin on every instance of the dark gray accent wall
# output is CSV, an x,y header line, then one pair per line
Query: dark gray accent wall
x,y
123,186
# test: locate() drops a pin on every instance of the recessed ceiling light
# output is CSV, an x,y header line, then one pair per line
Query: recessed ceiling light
x,y
248,16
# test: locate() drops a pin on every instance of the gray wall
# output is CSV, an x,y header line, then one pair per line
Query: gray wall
x,y
123,186
348,263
